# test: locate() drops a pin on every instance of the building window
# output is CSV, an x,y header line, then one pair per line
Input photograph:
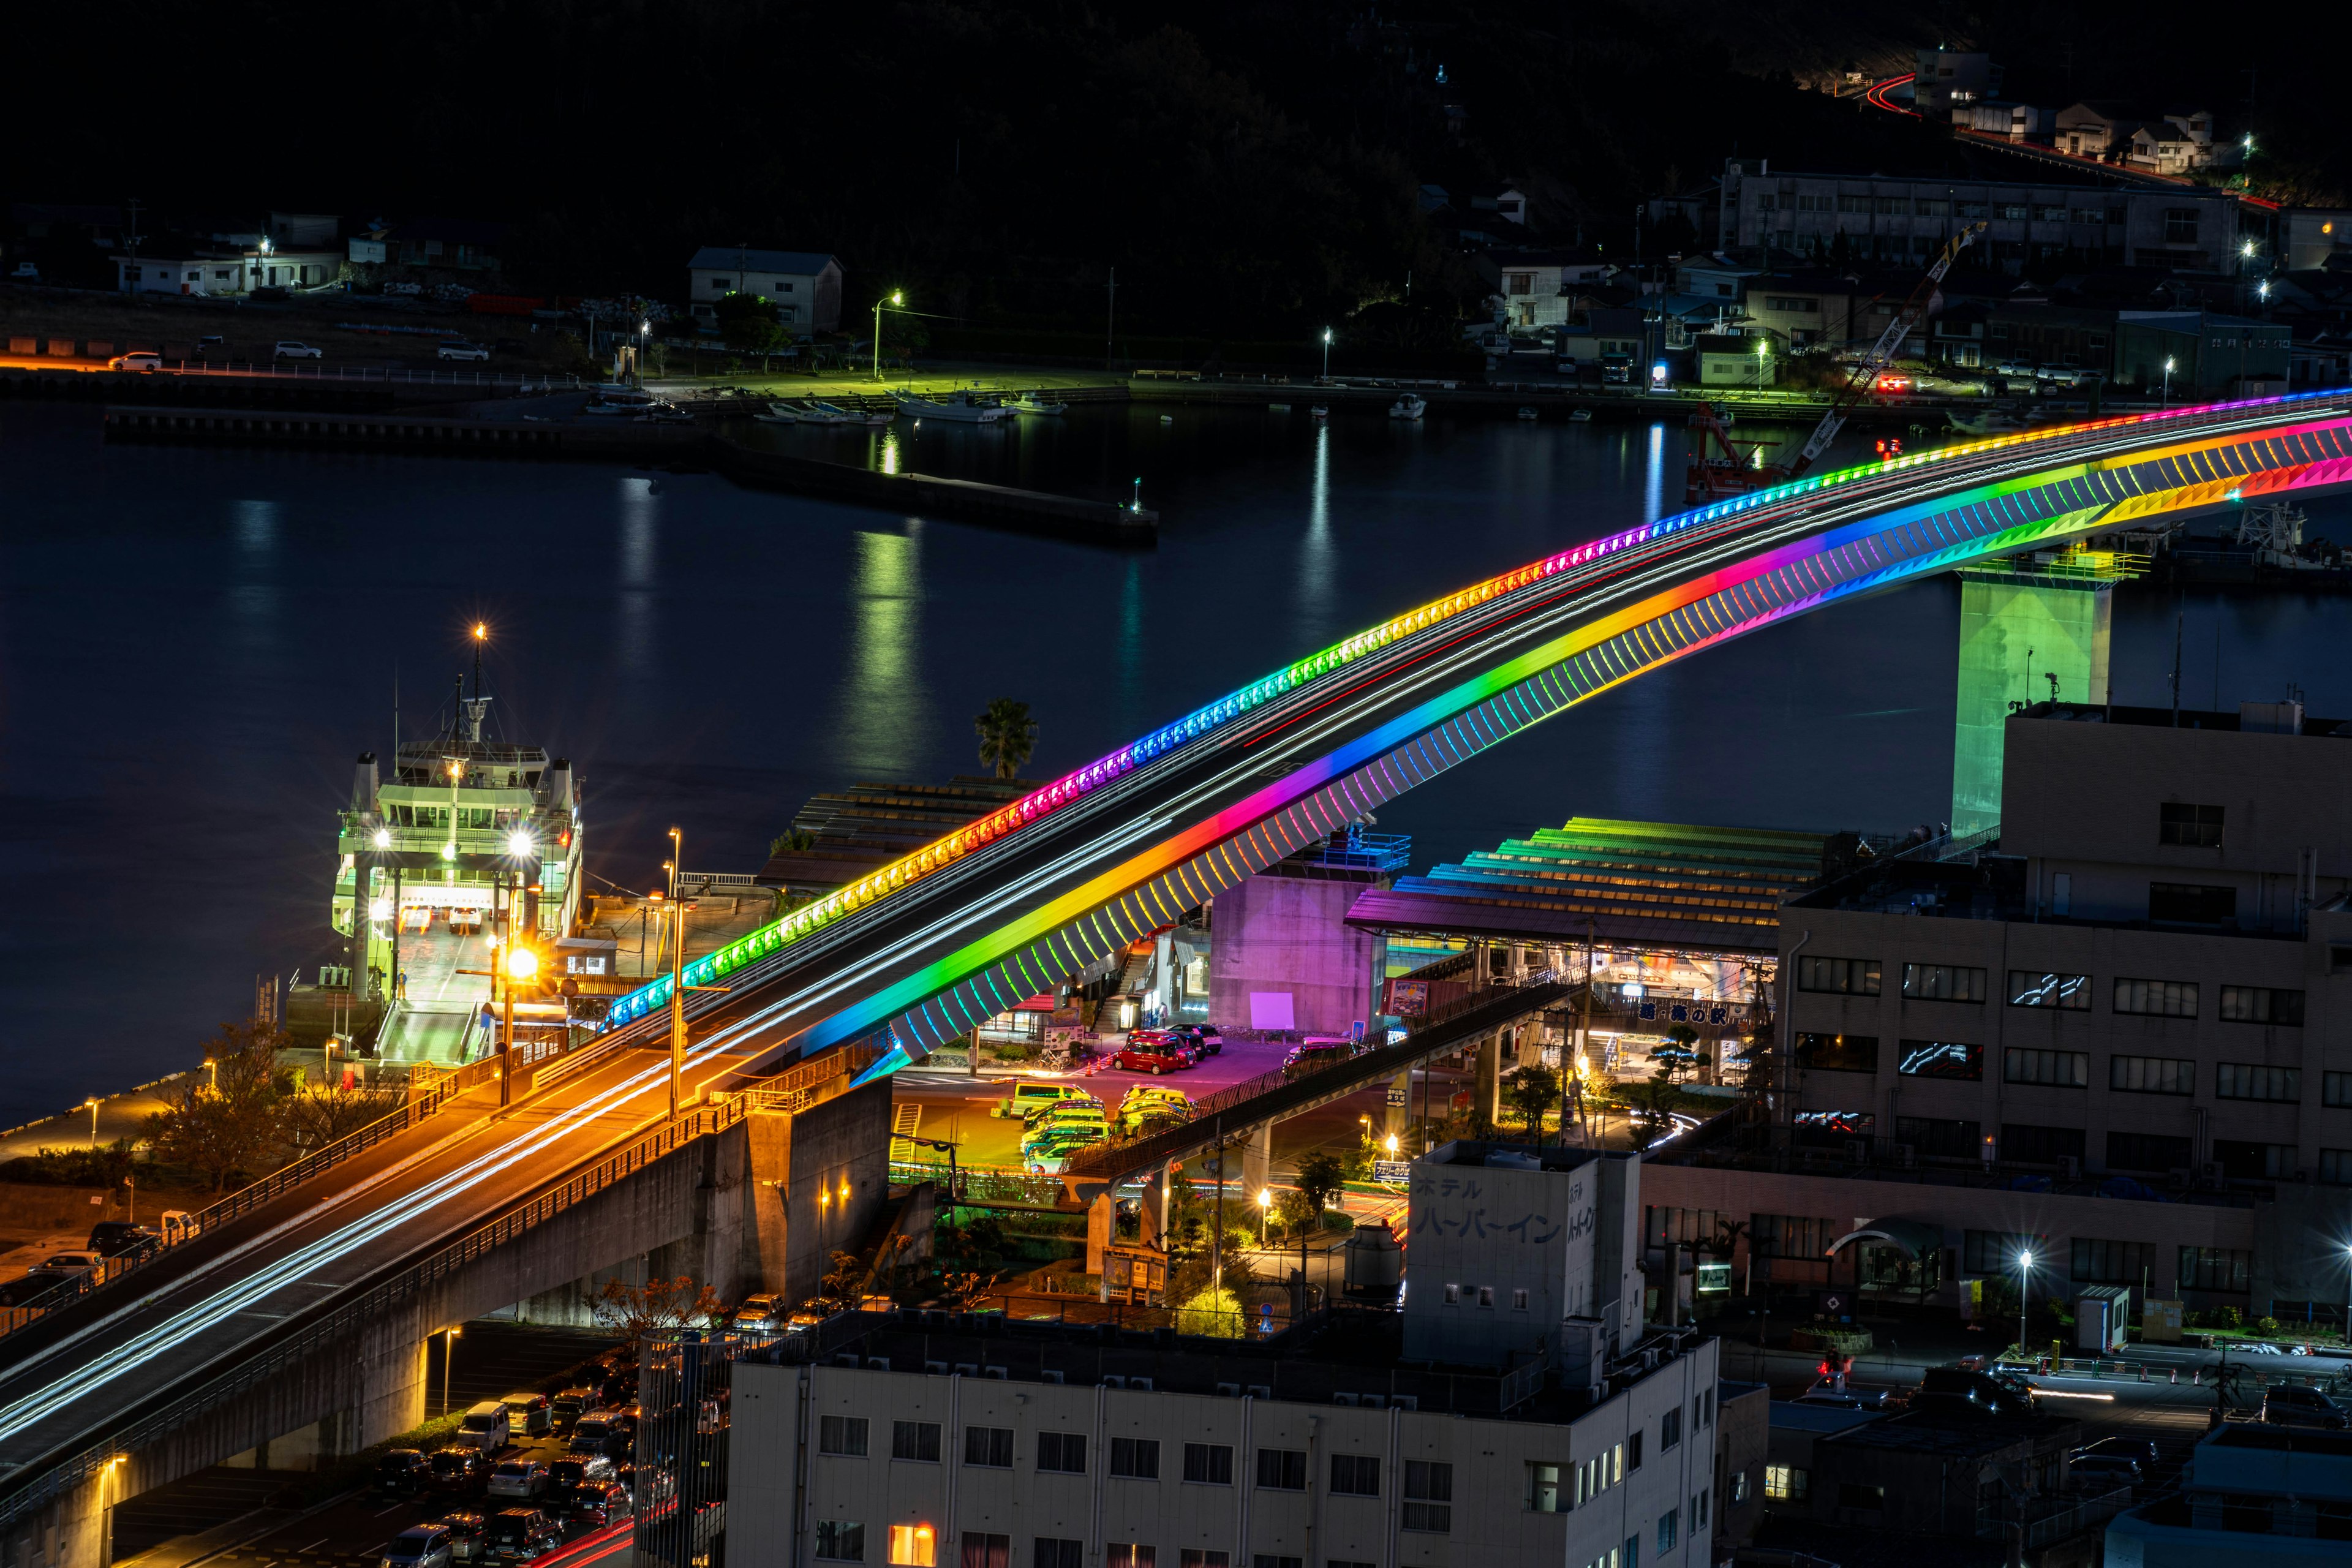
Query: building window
x,y
1355,1475
1943,983
913,1546
2180,226
2244,1080
1209,1464
2040,1145
916,1440
1056,1552
2147,1151
2192,826
2037,988
1486,1295
1786,1483
1838,1053
1738,1487
2156,998
2261,1005
2215,1268
988,1446
1994,1251
2097,1262
840,1541
2057,1069
2336,1167
1939,1138
2188,904
1545,1494
1202,1557
1126,1554
1941,1058
1428,1496
1670,1430
1281,1470
2152,1075
2335,1089
1135,1458
1519,283
1273,1559
1844,976
844,1435
2250,1161
1666,1523
1519,1300
1454,1295
1062,1453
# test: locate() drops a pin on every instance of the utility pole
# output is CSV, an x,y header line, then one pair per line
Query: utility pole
x,y
677,972
1110,318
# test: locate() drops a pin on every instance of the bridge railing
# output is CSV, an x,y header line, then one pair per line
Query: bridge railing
x,y
423,1102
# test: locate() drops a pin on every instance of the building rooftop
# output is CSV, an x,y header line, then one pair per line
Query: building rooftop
x,y
2263,718
1961,1434
1822,1420
851,833
1716,889
1352,1351
732,258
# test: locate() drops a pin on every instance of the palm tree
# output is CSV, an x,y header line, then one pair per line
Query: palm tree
x,y
1007,736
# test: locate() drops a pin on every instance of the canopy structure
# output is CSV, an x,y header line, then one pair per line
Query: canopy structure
x,y
1920,1240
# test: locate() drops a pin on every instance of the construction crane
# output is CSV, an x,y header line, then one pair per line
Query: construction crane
x,y
1882,352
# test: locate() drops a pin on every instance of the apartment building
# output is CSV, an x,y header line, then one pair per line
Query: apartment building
x,y
1513,1410
1889,219
2253,1497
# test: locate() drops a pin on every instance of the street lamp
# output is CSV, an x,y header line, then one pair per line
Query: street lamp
x,y
1763,347
1264,1212
2025,1268
1326,353
897,298
93,1105
678,923
2168,381
448,1344
108,1484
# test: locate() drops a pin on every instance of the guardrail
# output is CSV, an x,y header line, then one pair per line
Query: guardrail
x,y
340,1323
314,371
420,1104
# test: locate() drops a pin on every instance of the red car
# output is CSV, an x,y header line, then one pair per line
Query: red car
x,y
1151,1051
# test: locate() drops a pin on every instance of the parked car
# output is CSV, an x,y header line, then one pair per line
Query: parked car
x,y
1149,1102
120,1238
2286,1404
1028,1097
570,1406
1143,1053
597,1433
519,1534
402,1473
460,349
487,1426
533,1415
569,1474
289,349
519,1478
460,1468
1315,1055
599,1504
421,1546
1951,1387
208,343
2104,1467
466,1533
74,1262
1200,1039
35,1283
139,359
759,1314
27,272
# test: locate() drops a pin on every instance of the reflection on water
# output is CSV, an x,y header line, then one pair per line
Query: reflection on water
x,y
884,706
633,600
1317,550
1654,477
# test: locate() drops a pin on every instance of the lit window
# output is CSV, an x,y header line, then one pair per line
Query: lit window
x,y
913,1546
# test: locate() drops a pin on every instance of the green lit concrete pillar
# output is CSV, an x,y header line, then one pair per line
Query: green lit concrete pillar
x,y
2017,631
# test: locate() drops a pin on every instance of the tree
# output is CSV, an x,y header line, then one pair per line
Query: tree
x,y
1532,1090
1320,1176
311,1121
1216,1314
656,1307
226,1119
1007,736
843,1283
796,839
748,323
1653,1107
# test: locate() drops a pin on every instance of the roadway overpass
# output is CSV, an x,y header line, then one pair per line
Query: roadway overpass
x,y
152,1367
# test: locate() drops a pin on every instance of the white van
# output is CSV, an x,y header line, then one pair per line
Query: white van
x,y
487,1426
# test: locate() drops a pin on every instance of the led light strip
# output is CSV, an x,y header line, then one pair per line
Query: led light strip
x,y
946,851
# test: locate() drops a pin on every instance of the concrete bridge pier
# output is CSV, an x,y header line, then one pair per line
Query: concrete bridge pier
x,y
1488,1101
1257,1160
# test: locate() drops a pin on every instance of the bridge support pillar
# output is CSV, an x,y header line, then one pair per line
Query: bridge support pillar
x,y
1102,1229
1153,1225
1399,1109
1257,1160
1487,1104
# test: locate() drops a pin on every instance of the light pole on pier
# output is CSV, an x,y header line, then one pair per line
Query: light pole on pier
x,y
678,925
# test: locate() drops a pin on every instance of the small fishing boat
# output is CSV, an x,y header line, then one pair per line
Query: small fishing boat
x,y
1320,412
837,415
1409,407
1580,415
1029,403
961,408
1528,415
779,414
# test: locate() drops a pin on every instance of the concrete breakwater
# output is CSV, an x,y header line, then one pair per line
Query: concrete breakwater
x,y
635,441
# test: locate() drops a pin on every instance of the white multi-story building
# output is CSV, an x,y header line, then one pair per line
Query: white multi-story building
x,y
2253,1497
804,286
1512,1412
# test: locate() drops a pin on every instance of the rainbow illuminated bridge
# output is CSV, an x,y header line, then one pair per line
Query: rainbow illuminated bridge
x,y
1014,903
